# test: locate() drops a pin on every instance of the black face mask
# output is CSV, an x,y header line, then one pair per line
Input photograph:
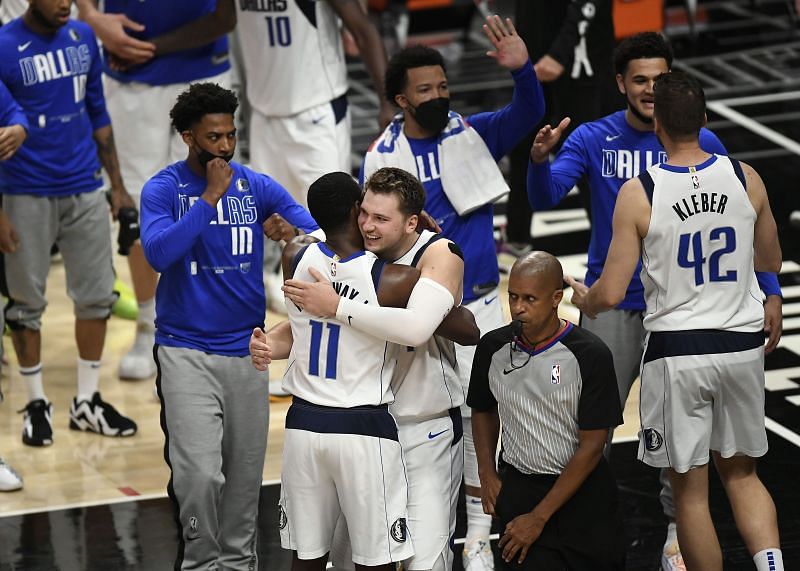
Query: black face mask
x,y
204,156
433,114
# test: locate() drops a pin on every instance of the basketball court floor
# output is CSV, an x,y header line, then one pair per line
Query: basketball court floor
x,y
92,503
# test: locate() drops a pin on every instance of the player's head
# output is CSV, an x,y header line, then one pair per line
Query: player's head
x,y
535,288
333,201
48,15
638,61
203,115
680,107
390,209
416,82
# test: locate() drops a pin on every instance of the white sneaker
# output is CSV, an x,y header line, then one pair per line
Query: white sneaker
x,y
671,558
9,479
478,556
138,363
272,284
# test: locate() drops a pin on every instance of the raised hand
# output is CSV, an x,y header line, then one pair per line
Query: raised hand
x,y
546,139
277,228
218,176
509,49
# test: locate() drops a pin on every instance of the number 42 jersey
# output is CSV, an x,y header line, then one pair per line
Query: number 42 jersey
x,y
697,257
332,364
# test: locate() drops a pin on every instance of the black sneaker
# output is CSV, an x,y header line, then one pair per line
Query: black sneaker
x,y
37,424
98,416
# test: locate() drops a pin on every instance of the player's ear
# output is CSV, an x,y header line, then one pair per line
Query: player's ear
x,y
411,223
187,138
620,83
557,296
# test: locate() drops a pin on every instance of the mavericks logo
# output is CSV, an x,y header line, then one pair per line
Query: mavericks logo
x,y
652,439
398,530
282,519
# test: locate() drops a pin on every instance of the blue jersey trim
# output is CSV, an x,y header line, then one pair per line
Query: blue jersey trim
x,y
542,349
737,168
672,168
325,249
372,421
377,272
663,344
648,184
458,425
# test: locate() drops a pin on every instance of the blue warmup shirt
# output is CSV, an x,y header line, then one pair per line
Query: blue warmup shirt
x,y
474,233
57,82
10,111
609,151
211,292
161,17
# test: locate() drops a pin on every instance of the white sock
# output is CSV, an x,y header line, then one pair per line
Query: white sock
x,y
769,560
147,314
88,379
33,380
479,524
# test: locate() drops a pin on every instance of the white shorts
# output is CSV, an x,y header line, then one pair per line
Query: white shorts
x,y
298,149
488,314
344,462
145,139
692,402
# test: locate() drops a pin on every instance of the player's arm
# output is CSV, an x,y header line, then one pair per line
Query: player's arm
x,y
107,152
290,252
523,530
768,256
631,219
275,344
459,326
111,29
370,47
547,184
199,32
15,125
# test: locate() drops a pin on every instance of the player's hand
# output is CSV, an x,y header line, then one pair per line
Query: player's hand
x,y
260,352
276,228
579,291
11,139
218,179
318,298
120,198
9,239
519,535
111,29
509,49
548,69
428,222
490,488
773,321
546,139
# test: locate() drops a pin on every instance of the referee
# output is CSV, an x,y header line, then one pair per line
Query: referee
x,y
553,387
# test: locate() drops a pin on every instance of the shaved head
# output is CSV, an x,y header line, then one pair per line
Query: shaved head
x,y
542,267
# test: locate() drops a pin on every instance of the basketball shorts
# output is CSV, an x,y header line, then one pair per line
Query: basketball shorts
x,y
348,462
701,391
298,149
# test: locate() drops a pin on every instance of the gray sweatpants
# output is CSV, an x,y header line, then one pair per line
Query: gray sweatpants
x,y
214,413
622,330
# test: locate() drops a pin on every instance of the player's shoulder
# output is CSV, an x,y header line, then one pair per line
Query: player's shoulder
x,y
9,33
83,29
257,180
610,126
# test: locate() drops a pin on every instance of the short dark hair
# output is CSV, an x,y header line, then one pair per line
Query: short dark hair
x,y
409,190
408,58
331,199
679,104
647,45
201,99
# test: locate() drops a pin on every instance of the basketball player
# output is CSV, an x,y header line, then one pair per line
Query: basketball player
x,y
609,151
553,388
201,228
52,68
154,50
341,455
455,159
701,223
428,391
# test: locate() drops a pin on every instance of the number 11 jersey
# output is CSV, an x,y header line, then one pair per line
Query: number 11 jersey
x,y
697,256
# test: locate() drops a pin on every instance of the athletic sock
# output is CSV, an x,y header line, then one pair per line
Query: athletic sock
x,y
769,560
147,313
88,379
479,524
33,381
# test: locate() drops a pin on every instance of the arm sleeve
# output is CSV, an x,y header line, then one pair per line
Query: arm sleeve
x,y
501,130
547,184
279,200
165,240
480,396
95,100
412,326
768,282
10,111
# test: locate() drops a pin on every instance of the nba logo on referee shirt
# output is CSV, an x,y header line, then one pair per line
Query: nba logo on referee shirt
x,y
555,374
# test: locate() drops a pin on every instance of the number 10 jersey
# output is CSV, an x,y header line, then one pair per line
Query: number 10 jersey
x,y
697,257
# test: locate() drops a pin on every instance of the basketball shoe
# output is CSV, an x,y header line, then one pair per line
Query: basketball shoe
x,y
98,416
37,423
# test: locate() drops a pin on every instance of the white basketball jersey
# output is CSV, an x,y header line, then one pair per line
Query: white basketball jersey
x,y
332,364
293,54
697,257
426,381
